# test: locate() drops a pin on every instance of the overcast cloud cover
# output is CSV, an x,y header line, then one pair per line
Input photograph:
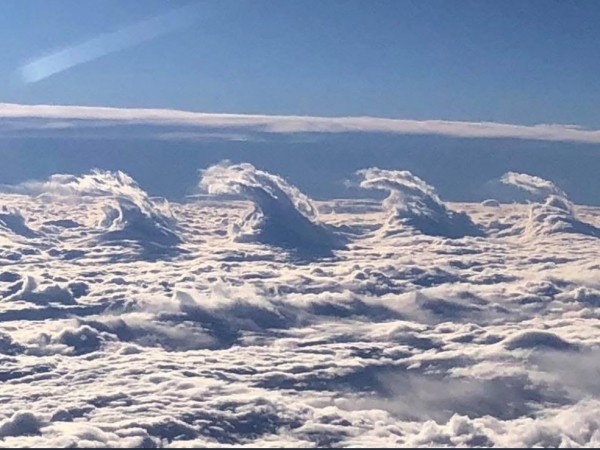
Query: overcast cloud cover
x,y
129,321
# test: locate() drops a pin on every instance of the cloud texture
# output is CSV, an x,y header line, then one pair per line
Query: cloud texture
x,y
399,339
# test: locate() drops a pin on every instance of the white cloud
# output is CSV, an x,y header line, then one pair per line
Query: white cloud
x,y
282,216
555,215
414,340
283,124
128,212
532,184
412,202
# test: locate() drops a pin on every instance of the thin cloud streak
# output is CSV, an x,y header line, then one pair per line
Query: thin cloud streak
x,y
105,44
299,124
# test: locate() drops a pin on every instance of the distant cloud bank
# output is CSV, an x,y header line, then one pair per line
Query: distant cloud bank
x,y
281,124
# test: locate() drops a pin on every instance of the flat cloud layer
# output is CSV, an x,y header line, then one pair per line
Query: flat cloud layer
x,y
59,116
412,340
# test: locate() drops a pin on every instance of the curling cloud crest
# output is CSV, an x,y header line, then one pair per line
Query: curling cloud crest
x,y
414,203
555,215
534,185
129,213
282,215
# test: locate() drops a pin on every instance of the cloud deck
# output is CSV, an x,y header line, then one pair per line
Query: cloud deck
x,y
406,339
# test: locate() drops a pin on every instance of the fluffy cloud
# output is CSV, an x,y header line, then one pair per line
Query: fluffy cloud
x,y
411,340
282,215
414,203
12,221
555,215
128,213
530,183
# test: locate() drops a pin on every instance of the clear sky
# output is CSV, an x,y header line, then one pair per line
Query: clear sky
x,y
523,62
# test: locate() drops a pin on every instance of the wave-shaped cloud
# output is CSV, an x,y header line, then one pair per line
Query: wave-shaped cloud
x,y
470,342
555,215
97,183
282,215
414,203
128,212
75,116
532,184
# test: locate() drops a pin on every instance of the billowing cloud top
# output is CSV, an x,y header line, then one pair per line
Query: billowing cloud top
x,y
413,202
532,184
400,183
283,216
246,180
555,215
410,341
98,183
129,213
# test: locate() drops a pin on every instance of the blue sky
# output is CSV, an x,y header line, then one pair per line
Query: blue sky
x,y
523,62
466,85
